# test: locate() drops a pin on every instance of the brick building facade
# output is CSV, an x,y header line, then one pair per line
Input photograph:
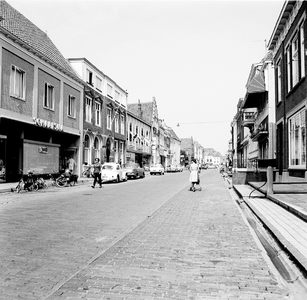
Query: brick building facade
x,y
40,100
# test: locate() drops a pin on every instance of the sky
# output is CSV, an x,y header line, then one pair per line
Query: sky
x,y
194,57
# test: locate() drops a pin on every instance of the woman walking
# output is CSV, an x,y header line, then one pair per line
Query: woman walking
x,y
194,174
97,173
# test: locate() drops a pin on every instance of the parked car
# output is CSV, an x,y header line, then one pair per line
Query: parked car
x,y
133,170
156,169
173,168
179,168
113,172
204,166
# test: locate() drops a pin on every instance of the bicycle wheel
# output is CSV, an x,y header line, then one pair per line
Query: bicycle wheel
x,y
35,187
19,187
61,182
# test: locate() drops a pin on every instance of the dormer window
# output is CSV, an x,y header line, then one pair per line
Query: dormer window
x,y
109,90
89,77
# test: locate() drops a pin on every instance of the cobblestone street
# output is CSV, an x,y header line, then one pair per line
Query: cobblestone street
x,y
196,246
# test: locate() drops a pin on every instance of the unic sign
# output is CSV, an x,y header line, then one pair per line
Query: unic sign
x,y
47,124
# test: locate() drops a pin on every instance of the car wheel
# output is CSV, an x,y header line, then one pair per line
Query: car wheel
x,y
150,173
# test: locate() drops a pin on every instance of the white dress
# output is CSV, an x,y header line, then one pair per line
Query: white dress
x,y
193,172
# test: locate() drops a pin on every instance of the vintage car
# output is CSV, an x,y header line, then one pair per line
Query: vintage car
x,y
111,171
171,168
133,170
156,169
179,168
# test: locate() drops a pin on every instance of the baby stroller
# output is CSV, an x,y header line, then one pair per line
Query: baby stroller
x,y
196,183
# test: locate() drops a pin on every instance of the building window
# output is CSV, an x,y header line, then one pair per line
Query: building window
x,y
109,118
87,152
117,96
49,96
121,151
288,70
97,114
109,90
302,51
130,127
98,84
116,123
96,148
296,58
17,84
122,124
71,108
279,81
88,109
295,62
297,139
89,77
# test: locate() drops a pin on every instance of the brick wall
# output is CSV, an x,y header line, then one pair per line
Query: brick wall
x,y
43,113
70,121
36,160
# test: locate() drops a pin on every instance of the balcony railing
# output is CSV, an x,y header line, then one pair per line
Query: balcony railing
x,y
246,164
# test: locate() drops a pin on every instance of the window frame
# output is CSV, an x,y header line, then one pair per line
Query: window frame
x,y
13,83
97,113
88,109
297,140
109,90
98,83
116,122
47,105
89,77
122,124
71,106
279,80
295,56
109,116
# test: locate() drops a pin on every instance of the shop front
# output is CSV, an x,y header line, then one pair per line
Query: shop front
x,y
42,147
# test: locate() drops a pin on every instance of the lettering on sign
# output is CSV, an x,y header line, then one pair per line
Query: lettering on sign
x,y
47,124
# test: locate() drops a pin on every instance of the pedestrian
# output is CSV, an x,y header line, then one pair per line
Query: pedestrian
x,y
194,174
71,164
97,173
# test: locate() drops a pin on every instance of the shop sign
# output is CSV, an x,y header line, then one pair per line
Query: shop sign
x,y
43,150
47,124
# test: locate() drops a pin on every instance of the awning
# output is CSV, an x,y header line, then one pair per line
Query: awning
x,y
255,89
256,84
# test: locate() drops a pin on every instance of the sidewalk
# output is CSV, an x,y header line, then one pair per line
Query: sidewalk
x,y
11,186
285,214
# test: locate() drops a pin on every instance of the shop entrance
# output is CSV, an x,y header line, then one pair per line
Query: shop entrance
x,y
2,159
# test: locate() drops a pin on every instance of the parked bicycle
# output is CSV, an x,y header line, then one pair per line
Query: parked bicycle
x,y
41,183
52,180
87,171
27,182
65,179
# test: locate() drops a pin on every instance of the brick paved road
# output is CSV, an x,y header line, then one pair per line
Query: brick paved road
x,y
46,237
196,246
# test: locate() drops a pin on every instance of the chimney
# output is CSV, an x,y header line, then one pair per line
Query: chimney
x,y
140,113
